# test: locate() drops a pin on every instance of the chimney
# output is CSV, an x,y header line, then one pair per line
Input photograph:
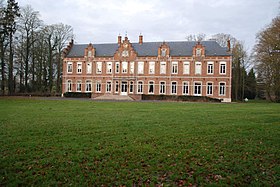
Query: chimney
x,y
228,45
140,39
119,39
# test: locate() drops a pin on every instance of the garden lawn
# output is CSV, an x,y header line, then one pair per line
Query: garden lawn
x,y
87,143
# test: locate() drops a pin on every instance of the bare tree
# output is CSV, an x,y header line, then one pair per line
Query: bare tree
x,y
29,23
267,59
196,37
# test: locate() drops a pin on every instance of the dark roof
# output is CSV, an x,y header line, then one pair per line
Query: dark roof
x,y
181,48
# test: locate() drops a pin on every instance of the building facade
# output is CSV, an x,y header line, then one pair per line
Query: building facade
x,y
158,68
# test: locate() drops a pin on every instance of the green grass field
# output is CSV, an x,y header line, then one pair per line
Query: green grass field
x,y
86,143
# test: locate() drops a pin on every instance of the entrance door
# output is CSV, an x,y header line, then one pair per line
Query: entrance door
x,y
124,88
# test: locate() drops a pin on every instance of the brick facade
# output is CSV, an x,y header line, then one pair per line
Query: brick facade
x,y
171,68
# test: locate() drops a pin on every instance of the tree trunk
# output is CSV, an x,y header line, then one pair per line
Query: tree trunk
x,y
2,68
11,66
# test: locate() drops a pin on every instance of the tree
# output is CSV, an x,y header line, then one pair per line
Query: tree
x,y
196,37
251,85
29,23
8,15
267,59
12,12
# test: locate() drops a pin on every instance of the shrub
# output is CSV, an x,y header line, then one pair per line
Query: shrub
x,y
77,95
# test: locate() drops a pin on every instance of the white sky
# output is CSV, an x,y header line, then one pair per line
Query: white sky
x,y
101,21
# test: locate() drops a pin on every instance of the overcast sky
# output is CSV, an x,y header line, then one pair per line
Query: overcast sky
x,y
101,21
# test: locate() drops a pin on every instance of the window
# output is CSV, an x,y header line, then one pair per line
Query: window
x,y
210,67
186,68
117,67
108,87
162,88
109,68
88,86
222,67
162,67
89,67
140,87
79,86
151,67
69,67
79,67
98,86
174,67
198,52
197,89
197,68
124,67
151,87
209,88
69,86
222,90
131,87
185,88
99,67
117,87
89,53
140,67
131,68
174,88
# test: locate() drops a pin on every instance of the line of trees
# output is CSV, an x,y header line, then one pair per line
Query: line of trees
x,y
30,51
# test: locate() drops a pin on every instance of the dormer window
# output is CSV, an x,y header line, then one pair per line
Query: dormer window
x,y
198,52
163,52
89,53
125,53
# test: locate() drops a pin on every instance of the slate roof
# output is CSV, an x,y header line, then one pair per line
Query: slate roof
x,y
180,48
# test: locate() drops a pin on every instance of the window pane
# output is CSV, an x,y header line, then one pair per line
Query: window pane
x,y
162,67
151,67
140,67
186,68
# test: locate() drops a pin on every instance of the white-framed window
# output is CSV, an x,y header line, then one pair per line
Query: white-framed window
x,y
131,71
88,86
124,67
109,67
117,68
140,67
162,87
117,87
198,52
174,67
79,86
173,87
197,89
69,86
222,88
89,53
151,67
98,86
131,87
140,87
79,67
210,67
185,90
108,87
209,88
222,67
186,68
99,67
162,67
89,68
198,68
69,67
151,87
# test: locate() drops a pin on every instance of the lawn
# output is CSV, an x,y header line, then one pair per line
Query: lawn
x,y
87,143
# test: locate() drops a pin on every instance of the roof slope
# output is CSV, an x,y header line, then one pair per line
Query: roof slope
x,y
180,48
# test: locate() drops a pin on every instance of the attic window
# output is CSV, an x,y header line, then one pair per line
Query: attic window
x,y
89,53
198,52
163,52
